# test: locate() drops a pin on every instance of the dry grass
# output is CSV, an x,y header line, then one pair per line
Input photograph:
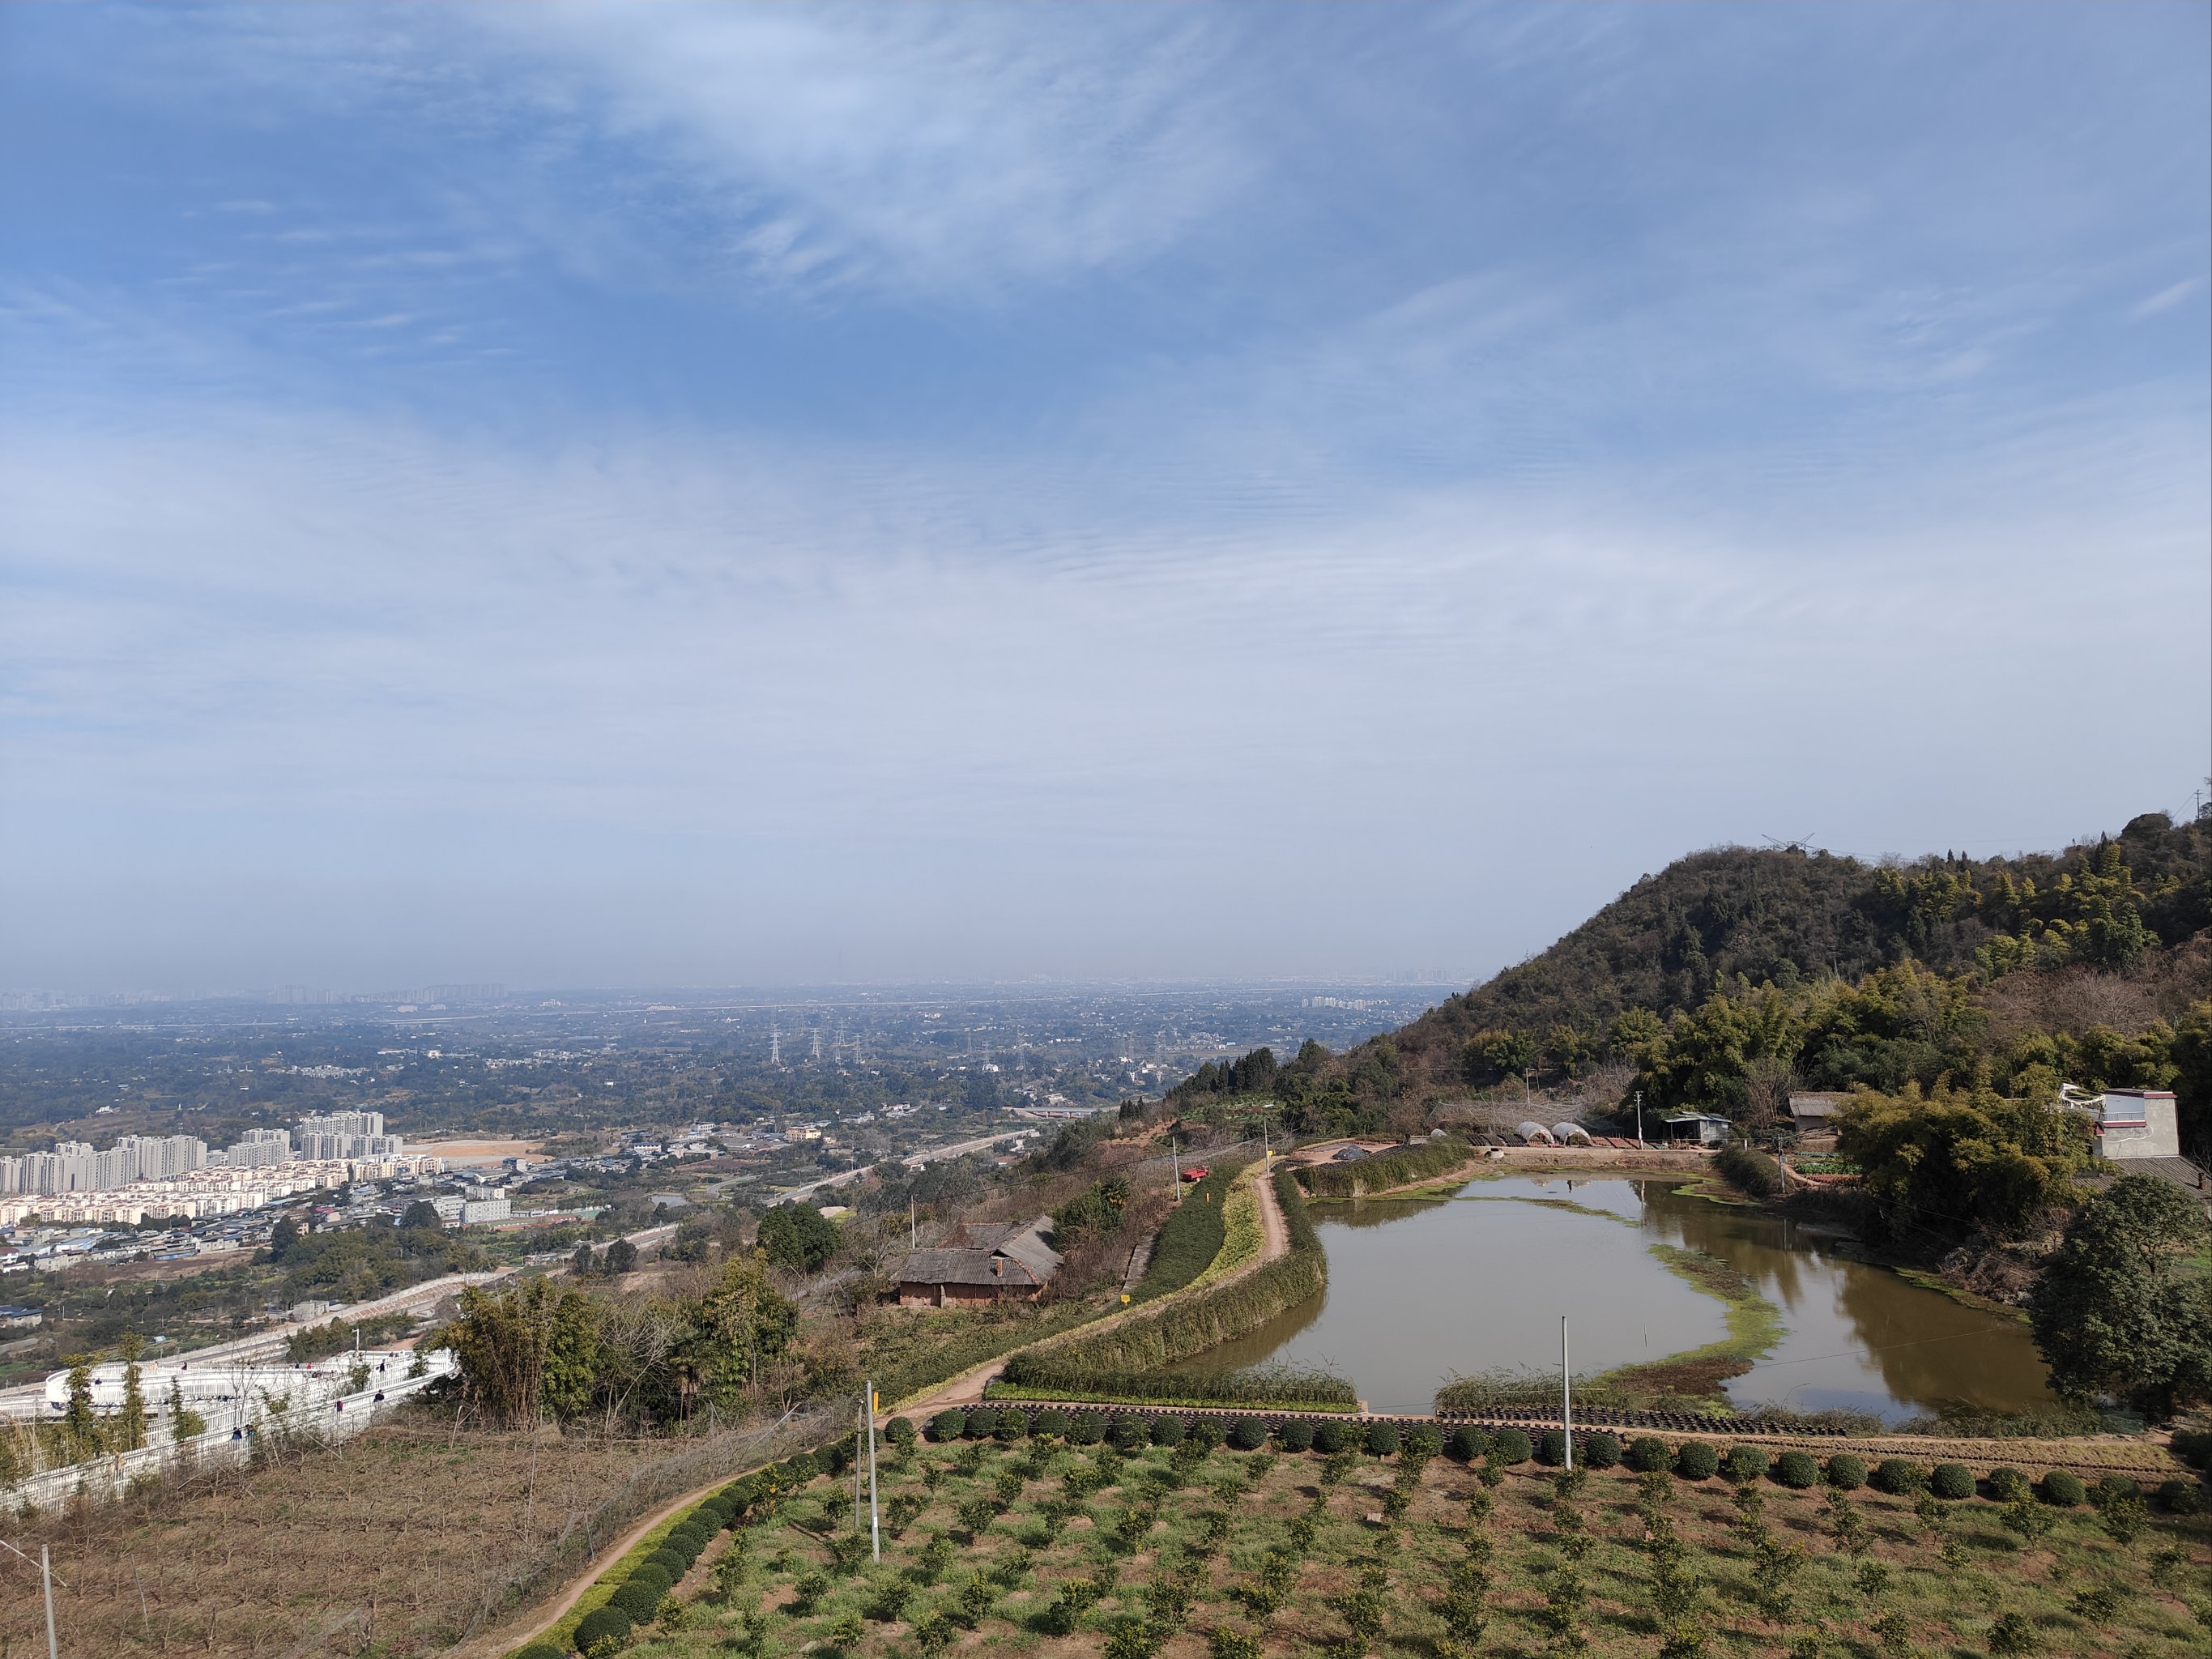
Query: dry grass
x,y
396,1544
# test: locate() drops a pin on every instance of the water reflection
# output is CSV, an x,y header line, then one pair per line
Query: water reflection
x,y
1418,1289
1421,1288
1860,1338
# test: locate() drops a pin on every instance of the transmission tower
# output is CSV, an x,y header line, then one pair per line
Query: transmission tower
x,y
775,1045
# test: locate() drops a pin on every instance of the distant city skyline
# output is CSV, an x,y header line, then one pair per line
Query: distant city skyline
x,y
747,496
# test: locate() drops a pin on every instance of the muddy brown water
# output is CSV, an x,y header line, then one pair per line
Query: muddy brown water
x,y
1421,1289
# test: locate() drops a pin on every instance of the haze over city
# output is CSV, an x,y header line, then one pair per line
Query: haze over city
x,y
711,496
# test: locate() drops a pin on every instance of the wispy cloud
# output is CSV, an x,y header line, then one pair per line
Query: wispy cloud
x,y
1017,485
2166,298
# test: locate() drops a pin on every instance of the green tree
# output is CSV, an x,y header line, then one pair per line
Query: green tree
x,y
622,1257
1959,1159
130,1431
735,1330
2125,1305
421,1213
1099,1209
184,1421
79,1425
527,1351
2191,1054
797,1237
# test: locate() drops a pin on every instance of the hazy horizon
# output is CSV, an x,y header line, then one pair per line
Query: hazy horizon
x,y
693,497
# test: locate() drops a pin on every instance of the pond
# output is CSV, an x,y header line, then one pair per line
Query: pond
x,y
1421,1289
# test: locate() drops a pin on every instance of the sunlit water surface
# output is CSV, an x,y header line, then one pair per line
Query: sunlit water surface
x,y
1420,1290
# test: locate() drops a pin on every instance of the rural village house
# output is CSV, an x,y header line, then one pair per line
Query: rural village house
x,y
981,1262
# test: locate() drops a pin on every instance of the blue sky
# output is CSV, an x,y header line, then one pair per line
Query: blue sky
x,y
681,495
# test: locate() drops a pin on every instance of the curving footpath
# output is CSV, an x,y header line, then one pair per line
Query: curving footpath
x,y
967,1388
527,1629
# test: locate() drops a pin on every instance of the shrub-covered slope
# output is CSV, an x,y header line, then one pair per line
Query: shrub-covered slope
x,y
1736,973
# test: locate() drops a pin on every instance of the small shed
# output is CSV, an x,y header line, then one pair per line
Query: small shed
x,y
1695,1128
1814,1118
1567,1134
1535,1133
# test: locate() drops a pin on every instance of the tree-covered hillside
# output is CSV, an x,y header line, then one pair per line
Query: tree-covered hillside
x,y
1735,975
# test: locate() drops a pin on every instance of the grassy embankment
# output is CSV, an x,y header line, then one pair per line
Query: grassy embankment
x,y
1033,1547
1134,1360
1402,1166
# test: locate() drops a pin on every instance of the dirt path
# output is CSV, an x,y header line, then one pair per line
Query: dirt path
x,y
967,1388
528,1626
1273,1227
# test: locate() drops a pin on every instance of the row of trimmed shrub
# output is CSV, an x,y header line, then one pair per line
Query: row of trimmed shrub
x,y
1206,1319
1402,1166
1268,1388
1190,1237
1131,1429
644,1586
1468,1443
1697,1459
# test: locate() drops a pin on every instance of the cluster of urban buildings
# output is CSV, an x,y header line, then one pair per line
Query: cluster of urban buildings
x,y
181,1176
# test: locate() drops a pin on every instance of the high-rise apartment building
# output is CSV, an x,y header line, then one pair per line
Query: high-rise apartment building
x,y
345,1134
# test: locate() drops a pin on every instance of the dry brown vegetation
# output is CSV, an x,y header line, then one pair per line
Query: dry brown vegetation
x,y
399,1543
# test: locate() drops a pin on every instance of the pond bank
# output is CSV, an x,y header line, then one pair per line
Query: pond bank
x,y
1755,1310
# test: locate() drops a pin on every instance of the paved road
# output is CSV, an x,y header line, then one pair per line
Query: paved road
x,y
912,1161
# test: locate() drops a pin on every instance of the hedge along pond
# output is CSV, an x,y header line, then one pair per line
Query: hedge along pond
x,y
1420,1290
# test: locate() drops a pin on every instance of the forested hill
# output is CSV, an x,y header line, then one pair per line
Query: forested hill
x,y
1737,973
1785,915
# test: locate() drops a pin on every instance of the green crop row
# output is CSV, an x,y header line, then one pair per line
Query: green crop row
x,y
1189,1238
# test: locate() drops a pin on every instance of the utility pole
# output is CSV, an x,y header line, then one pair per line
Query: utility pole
x,y
47,1582
1527,1078
1174,1156
875,1518
913,1233
1567,1399
1639,1117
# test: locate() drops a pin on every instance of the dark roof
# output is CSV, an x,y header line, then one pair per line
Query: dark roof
x,y
967,1257
2179,1171
964,1267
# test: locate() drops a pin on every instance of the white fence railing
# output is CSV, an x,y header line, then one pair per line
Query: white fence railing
x,y
111,1472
